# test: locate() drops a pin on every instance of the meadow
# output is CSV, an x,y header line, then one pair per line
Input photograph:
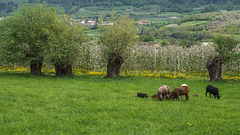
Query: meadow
x,y
94,104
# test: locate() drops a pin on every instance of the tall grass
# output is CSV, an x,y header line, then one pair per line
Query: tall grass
x,y
94,105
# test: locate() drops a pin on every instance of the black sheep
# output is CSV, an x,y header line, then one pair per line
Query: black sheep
x,y
212,90
142,95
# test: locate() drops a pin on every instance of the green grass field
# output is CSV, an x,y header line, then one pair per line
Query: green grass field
x,y
192,23
96,105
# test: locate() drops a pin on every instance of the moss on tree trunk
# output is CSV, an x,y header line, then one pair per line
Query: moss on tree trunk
x,y
36,66
114,65
63,69
215,69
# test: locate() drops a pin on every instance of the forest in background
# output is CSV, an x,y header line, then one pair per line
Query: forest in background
x,y
195,20
180,6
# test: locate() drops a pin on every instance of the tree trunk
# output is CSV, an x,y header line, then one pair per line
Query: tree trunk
x,y
114,65
215,69
63,69
35,66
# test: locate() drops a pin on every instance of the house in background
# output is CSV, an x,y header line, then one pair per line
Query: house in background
x,y
174,17
82,22
144,22
91,22
222,11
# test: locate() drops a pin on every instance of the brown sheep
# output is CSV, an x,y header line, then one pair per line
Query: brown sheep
x,y
163,91
154,96
182,90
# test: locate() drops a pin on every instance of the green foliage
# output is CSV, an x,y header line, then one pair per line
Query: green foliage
x,y
164,43
147,38
158,6
65,39
209,8
120,37
192,18
225,46
94,105
39,33
23,35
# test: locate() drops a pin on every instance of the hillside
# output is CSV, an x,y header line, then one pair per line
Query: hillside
x,y
180,6
222,21
190,28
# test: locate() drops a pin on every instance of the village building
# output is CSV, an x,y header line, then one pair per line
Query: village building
x,y
174,17
91,22
145,22
82,22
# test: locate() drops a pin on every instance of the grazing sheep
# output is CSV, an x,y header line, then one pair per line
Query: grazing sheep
x,y
184,85
195,95
212,90
142,95
182,90
154,96
163,91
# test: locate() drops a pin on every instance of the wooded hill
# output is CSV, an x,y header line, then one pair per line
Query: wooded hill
x,y
181,6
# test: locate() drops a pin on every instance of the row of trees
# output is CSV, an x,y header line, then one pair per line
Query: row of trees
x,y
38,35
157,58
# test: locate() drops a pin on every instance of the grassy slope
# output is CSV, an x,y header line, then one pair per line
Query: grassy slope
x,y
95,105
192,24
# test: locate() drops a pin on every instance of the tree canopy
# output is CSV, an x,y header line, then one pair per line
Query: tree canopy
x,y
226,48
35,34
118,40
24,36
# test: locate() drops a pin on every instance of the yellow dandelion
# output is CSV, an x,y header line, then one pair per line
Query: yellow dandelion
x,y
188,123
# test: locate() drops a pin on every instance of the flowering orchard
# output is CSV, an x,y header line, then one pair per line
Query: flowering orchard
x,y
155,58
151,61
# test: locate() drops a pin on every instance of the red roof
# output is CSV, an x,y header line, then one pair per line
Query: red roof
x,y
144,21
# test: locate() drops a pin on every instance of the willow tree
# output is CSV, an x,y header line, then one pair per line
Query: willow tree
x,y
36,34
23,35
225,46
117,39
65,39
